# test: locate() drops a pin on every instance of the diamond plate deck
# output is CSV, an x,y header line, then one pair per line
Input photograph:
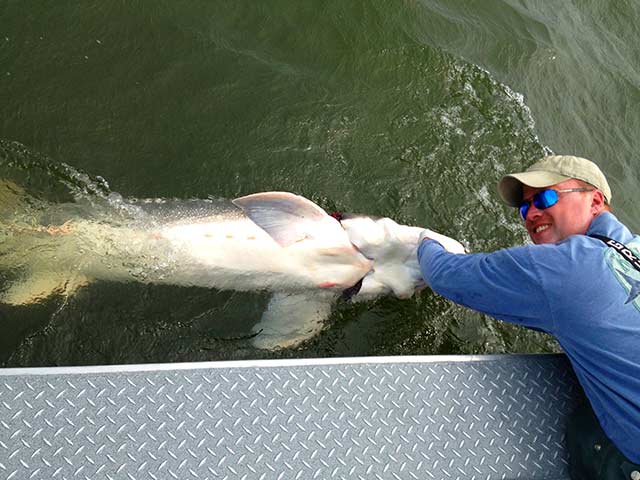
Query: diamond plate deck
x,y
401,418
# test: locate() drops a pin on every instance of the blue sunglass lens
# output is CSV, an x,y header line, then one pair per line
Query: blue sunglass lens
x,y
542,200
524,208
545,199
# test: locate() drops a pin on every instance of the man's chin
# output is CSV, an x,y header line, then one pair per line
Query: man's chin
x,y
546,236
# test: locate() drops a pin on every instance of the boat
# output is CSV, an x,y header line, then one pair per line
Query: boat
x,y
408,417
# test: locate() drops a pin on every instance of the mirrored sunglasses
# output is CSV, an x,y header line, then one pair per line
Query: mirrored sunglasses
x,y
546,198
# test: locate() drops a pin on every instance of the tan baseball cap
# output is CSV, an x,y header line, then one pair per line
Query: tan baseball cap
x,y
549,171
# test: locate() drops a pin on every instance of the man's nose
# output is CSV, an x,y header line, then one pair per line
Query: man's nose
x,y
533,212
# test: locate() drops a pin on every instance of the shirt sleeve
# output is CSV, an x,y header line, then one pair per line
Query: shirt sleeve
x,y
504,284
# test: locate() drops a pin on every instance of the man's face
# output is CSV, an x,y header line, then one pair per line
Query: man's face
x,y
572,215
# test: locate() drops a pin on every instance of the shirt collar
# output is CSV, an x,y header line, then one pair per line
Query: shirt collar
x,y
608,225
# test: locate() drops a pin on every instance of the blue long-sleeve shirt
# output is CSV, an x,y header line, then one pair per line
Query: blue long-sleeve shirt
x,y
578,290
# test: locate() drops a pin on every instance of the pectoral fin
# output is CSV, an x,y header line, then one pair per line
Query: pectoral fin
x,y
291,319
286,217
38,287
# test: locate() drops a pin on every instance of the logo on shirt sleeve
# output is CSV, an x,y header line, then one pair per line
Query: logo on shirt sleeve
x,y
627,276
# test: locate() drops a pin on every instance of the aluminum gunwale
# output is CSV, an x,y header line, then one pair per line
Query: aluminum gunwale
x,y
270,363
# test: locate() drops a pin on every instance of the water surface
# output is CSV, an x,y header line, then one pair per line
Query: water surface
x,y
407,109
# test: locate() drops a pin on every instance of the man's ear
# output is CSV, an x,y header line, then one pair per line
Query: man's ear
x,y
597,202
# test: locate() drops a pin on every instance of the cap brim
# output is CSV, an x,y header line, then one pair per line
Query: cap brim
x,y
510,187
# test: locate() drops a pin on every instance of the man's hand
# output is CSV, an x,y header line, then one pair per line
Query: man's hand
x,y
449,244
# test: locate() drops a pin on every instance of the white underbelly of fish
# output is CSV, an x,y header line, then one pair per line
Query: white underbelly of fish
x,y
236,254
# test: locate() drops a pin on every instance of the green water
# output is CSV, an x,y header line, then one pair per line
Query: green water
x,y
406,109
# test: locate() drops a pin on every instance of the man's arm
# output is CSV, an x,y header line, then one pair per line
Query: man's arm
x,y
505,284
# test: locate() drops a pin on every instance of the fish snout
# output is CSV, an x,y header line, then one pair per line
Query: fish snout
x,y
404,292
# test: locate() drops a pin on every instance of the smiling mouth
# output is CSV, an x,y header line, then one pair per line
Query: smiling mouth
x,y
540,228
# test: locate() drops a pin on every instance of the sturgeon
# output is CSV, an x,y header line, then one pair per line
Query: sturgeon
x,y
274,241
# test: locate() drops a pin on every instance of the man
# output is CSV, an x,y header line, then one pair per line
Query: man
x,y
573,286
